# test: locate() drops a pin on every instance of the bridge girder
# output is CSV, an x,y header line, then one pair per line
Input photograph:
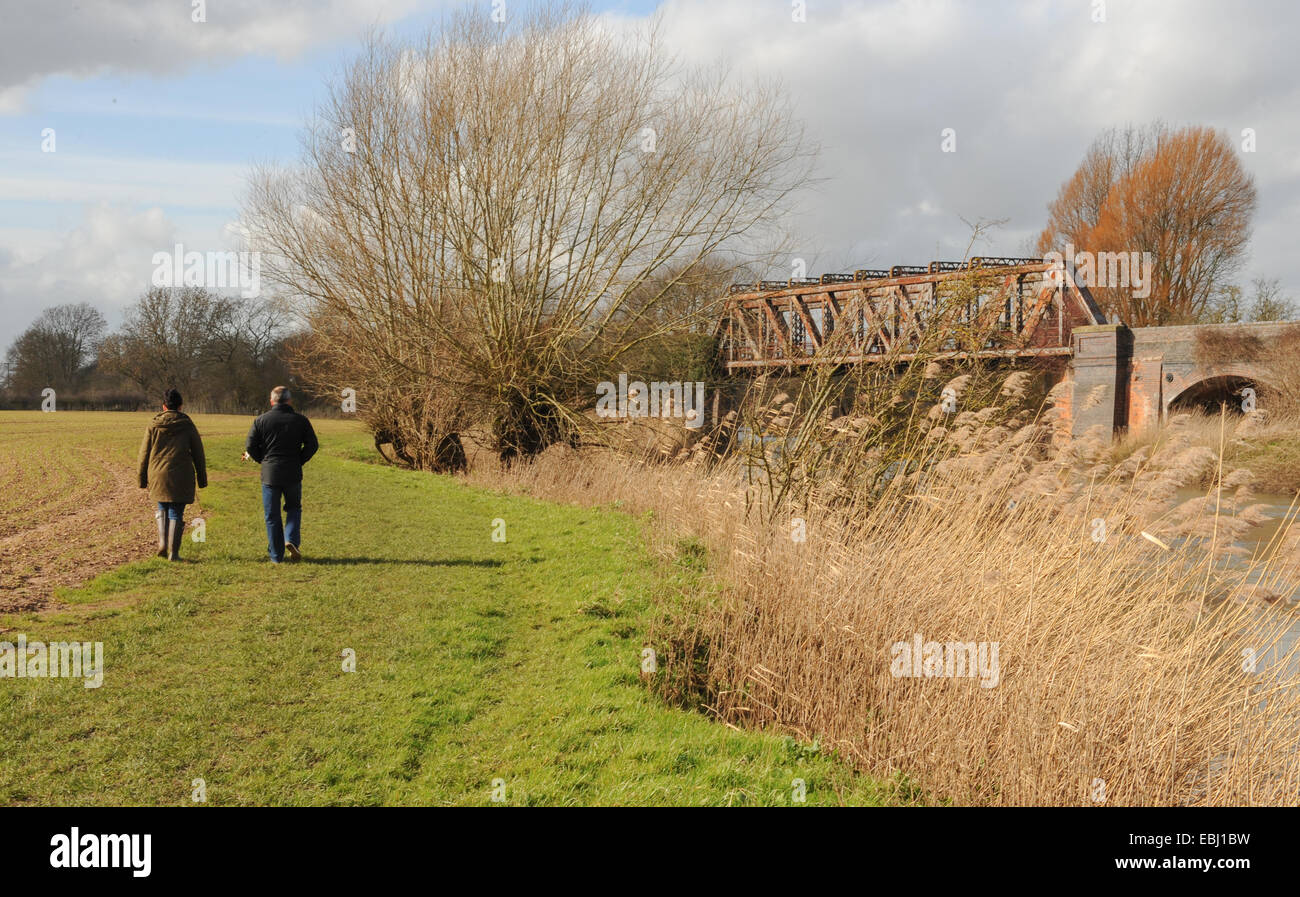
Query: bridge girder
x,y
1034,306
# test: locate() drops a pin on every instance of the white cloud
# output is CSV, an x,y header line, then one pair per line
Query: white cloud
x,y
106,259
1027,86
160,37
13,100
64,176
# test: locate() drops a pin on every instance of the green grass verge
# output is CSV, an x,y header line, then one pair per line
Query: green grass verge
x,y
1274,460
476,661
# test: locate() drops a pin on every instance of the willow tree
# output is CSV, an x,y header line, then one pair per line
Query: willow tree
x,y
476,214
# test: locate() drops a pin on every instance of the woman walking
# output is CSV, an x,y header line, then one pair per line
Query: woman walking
x,y
171,458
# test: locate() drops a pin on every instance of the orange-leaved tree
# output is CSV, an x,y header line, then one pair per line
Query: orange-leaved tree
x,y
1181,195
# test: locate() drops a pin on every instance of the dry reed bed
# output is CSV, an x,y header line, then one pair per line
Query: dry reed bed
x,y
1120,662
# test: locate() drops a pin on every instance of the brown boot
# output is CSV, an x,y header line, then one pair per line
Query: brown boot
x,y
162,533
176,532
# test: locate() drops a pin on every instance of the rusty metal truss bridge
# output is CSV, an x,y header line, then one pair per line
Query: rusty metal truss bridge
x,y
1026,307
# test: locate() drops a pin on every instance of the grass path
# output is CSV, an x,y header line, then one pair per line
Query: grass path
x,y
475,661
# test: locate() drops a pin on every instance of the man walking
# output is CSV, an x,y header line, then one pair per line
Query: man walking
x,y
282,441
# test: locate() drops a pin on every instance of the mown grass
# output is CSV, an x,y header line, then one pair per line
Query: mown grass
x,y
1135,648
475,661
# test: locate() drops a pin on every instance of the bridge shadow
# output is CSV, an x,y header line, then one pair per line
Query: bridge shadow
x,y
419,562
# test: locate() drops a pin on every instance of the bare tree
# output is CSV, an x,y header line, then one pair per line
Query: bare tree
x,y
167,339
1226,306
477,216
1076,211
1268,303
56,349
683,297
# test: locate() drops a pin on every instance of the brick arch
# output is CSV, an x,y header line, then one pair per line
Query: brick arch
x,y
1223,381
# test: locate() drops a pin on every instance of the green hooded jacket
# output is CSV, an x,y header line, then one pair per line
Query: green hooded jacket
x,y
171,457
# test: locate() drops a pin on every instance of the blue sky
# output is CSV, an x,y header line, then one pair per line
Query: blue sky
x,y
158,119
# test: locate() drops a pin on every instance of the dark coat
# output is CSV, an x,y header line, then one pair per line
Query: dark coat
x,y
282,441
171,458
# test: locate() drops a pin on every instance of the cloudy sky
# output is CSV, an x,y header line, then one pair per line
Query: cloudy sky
x,y
157,119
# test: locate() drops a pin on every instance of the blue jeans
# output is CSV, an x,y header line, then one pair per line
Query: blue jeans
x,y
290,531
172,510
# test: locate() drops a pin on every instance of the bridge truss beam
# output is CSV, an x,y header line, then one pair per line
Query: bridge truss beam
x,y
1030,309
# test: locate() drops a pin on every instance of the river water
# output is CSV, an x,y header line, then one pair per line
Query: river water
x,y
1260,541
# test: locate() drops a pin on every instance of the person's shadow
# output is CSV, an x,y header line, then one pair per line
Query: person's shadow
x,y
422,562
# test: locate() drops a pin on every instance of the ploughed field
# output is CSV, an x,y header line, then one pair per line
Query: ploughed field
x,y
410,659
69,503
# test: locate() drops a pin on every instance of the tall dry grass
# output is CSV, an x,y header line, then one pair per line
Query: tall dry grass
x,y
1123,649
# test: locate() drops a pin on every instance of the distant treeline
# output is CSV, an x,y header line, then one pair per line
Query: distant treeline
x,y
223,354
